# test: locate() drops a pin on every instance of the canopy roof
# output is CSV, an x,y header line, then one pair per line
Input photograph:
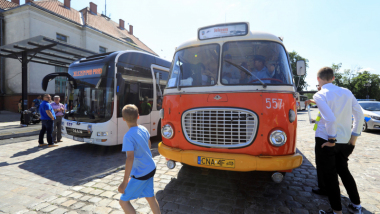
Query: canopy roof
x,y
44,50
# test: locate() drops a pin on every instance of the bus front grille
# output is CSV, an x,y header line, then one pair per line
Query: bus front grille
x,y
220,127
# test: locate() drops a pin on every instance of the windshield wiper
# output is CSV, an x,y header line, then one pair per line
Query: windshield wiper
x,y
246,71
179,73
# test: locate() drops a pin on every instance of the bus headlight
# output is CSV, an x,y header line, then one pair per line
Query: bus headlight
x,y
277,138
162,114
292,116
167,131
102,133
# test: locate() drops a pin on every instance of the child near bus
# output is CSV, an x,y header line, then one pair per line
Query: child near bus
x,y
139,166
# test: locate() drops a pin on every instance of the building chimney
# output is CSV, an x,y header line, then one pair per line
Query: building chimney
x,y
121,24
131,29
94,8
66,3
27,1
16,1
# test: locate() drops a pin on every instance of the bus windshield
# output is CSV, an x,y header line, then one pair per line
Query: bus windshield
x,y
196,66
92,100
267,61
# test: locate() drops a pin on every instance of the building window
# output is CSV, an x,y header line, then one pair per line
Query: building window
x,y
102,49
60,82
61,37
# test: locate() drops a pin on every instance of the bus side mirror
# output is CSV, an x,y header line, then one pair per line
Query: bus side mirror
x,y
120,84
301,67
158,78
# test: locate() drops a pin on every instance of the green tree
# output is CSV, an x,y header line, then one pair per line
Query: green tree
x,y
299,80
360,91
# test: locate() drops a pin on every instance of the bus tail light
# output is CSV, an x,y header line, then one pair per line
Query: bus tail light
x,y
292,116
277,138
167,131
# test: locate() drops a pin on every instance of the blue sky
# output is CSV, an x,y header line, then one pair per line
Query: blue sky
x,y
324,32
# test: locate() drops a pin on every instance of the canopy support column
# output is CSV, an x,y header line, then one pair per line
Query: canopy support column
x,y
24,81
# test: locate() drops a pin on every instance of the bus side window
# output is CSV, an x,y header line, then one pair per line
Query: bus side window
x,y
146,98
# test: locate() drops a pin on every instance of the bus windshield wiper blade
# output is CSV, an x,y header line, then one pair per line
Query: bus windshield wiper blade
x,y
246,71
179,74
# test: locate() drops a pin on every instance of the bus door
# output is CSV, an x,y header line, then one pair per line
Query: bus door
x,y
132,95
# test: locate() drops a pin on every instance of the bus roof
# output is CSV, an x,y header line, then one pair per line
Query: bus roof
x,y
251,35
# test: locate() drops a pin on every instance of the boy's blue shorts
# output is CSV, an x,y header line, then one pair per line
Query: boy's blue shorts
x,y
138,189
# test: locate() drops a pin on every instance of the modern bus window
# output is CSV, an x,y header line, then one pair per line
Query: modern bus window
x,y
160,97
139,59
138,94
197,66
264,60
146,98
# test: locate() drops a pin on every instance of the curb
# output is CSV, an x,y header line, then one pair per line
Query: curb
x,y
25,134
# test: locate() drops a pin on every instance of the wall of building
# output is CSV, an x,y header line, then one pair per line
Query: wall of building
x,y
26,22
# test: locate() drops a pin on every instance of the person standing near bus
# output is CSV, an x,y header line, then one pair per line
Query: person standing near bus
x,y
36,102
139,166
59,110
337,140
47,118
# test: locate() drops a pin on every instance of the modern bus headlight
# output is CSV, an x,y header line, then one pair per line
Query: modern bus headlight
x,y
167,131
277,138
292,116
162,114
374,117
102,133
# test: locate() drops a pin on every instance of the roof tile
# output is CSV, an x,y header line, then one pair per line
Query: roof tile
x,y
4,4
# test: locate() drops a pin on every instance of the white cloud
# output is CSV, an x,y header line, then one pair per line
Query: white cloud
x,y
367,69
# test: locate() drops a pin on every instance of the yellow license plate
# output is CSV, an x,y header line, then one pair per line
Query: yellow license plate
x,y
218,162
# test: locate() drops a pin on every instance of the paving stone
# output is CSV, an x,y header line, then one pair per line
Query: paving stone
x,y
94,200
88,208
77,205
114,204
96,192
41,206
75,195
102,210
49,208
68,203
86,197
108,194
59,211
104,202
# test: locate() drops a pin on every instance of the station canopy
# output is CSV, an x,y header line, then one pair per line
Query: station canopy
x,y
44,50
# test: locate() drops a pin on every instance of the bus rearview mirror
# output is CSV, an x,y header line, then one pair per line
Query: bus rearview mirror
x,y
120,84
301,67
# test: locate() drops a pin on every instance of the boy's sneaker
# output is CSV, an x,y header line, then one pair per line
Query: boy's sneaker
x,y
355,210
326,212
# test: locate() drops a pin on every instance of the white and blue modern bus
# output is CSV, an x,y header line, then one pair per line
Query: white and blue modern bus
x,y
98,88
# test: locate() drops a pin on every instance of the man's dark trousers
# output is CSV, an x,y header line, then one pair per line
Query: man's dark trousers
x,y
318,150
333,163
47,126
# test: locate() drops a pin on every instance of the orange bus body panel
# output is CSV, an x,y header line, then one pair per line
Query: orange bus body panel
x,y
272,110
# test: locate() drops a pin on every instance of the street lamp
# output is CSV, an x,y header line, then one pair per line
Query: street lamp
x,y
368,84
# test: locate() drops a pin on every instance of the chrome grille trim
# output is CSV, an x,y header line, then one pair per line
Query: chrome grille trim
x,y
220,127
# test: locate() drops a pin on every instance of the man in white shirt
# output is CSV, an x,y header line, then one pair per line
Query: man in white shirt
x,y
336,138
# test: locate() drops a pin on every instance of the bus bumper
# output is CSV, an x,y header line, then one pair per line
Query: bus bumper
x,y
242,162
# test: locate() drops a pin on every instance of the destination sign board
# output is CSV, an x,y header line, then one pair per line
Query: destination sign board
x,y
86,72
223,30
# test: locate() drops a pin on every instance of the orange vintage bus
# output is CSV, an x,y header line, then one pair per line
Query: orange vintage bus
x,y
230,103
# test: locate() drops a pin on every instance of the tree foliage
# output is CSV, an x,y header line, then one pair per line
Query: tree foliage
x,y
354,80
294,57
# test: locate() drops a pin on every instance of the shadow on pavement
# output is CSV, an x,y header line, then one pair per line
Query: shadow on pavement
x,y
73,165
212,191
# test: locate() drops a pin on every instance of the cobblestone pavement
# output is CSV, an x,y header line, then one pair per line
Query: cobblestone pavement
x,y
83,178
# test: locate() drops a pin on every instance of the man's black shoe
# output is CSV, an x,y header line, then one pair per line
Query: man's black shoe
x,y
319,191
